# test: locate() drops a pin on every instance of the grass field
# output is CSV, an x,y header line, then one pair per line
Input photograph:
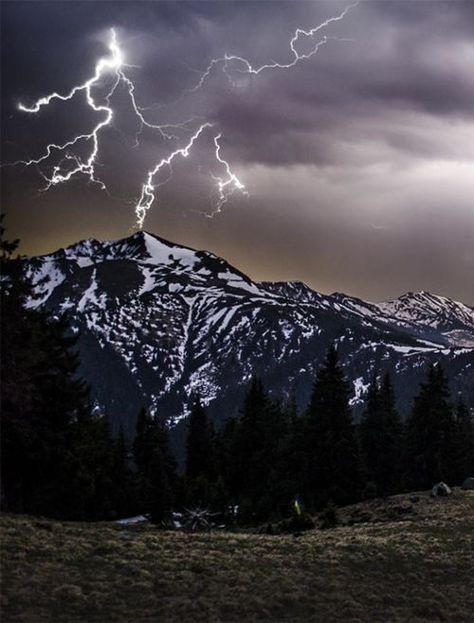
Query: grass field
x,y
415,567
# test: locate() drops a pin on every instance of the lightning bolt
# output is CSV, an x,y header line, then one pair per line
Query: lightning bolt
x,y
72,164
247,68
87,167
225,186
147,196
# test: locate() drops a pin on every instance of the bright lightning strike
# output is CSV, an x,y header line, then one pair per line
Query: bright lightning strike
x,y
225,186
226,60
62,172
87,167
73,164
148,189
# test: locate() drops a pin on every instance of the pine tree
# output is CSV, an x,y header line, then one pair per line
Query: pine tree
x,y
20,332
464,442
278,480
227,445
156,468
248,444
333,455
62,405
89,480
43,403
369,434
250,456
254,455
380,433
430,451
199,444
201,468
124,486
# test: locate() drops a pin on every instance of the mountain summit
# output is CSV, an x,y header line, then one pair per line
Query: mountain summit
x,y
159,322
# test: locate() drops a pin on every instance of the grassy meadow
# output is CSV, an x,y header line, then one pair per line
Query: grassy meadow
x,y
401,560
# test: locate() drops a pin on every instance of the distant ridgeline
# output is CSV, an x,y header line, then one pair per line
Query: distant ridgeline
x,y
158,322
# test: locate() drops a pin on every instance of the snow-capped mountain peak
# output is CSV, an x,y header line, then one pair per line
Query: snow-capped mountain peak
x,y
140,246
158,321
434,315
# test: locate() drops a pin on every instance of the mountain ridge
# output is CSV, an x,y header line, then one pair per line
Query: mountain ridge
x,y
169,321
141,237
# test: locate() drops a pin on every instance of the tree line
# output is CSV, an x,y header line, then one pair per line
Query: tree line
x,y
59,458
270,454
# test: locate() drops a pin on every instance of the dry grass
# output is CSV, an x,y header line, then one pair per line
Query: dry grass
x,y
418,569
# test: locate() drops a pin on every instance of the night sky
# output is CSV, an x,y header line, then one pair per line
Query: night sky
x,y
358,162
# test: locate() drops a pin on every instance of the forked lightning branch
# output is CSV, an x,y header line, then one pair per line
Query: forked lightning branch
x,y
66,160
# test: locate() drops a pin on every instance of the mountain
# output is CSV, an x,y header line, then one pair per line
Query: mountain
x,y
158,321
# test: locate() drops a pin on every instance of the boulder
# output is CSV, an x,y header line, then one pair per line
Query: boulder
x,y
468,484
440,490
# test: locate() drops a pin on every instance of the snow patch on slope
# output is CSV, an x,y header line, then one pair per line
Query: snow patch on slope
x,y
148,280
89,298
360,388
161,253
44,280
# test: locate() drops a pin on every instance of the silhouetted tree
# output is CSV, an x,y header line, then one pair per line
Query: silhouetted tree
x,y
124,485
201,467
334,462
156,469
44,402
380,432
199,444
248,442
464,442
255,457
227,449
431,433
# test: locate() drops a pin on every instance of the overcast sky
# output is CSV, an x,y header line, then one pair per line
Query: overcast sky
x,y
358,162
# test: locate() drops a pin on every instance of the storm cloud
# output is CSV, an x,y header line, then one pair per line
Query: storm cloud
x,y
359,161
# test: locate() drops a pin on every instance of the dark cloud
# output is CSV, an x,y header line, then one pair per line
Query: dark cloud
x,y
359,161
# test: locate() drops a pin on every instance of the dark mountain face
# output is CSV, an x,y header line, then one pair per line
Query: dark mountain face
x,y
159,321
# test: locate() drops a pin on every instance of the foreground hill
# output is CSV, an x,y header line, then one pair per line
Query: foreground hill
x,y
416,569
159,321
